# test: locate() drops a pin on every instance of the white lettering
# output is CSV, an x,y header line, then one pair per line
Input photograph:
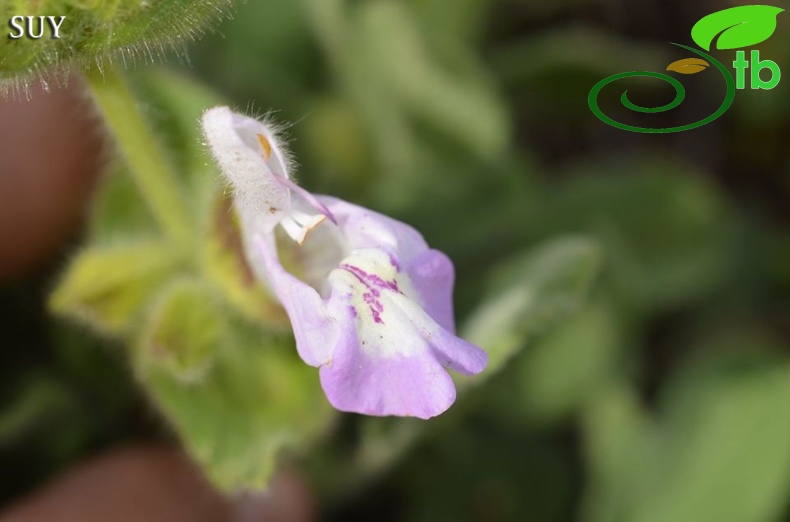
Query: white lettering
x,y
16,23
55,26
30,25
25,26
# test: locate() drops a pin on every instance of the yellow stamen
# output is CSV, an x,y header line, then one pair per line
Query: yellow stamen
x,y
267,148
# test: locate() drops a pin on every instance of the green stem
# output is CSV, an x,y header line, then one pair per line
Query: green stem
x,y
146,160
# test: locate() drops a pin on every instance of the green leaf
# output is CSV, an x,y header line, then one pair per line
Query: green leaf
x,y
462,106
741,26
529,295
667,232
727,454
108,287
183,330
257,399
404,92
96,31
558,373
118,209
721,450
617,432
466,21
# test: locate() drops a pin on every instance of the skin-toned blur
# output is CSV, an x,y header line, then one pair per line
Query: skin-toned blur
x,y
50,157
156,484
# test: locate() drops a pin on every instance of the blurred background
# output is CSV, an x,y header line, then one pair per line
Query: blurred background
x,y
648,381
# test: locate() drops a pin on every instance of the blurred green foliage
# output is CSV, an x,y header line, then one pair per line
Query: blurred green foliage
x,y
632,291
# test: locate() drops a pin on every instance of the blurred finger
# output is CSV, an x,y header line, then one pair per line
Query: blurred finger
x,y
155,484
50,153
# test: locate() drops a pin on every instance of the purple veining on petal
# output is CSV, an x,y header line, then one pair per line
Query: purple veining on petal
x,y
366,278
371,298
373,283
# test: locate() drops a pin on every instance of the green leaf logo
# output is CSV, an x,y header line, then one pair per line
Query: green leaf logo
x,y
738,26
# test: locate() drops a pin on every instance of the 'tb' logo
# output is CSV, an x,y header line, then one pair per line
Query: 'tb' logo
x,y
733,28
741,64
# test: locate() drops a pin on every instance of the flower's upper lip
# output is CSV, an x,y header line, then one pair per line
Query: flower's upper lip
x,y
257,164
254,179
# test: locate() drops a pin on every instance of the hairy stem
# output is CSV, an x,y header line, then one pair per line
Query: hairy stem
x,y
139,147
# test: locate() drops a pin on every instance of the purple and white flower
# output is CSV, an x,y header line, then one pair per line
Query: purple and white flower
x,y
369,302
